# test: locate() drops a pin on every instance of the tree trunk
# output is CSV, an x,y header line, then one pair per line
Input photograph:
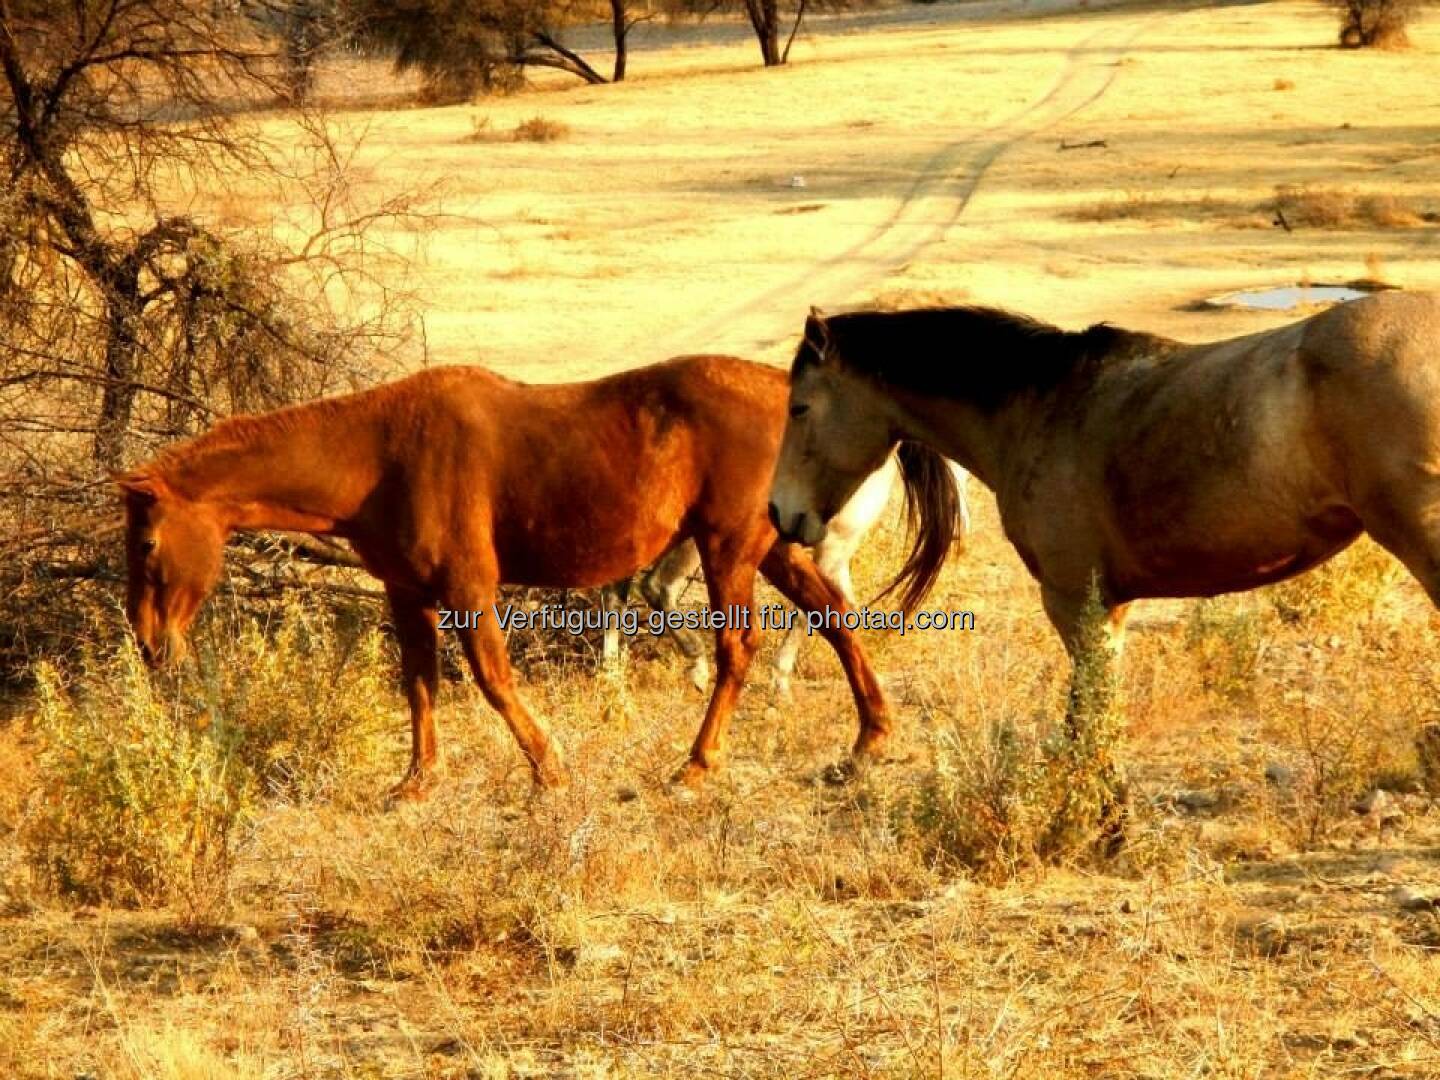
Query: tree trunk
x,y
122,347
765,20
622,33
569,60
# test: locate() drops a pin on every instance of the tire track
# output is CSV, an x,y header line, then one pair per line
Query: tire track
x,y
930,206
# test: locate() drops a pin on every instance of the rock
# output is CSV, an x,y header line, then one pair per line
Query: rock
x,y
1263,932
627,794
1407,899
1381,807
1197,801
1281,776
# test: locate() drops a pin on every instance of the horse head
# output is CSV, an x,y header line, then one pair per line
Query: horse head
x,y
174,548
833,439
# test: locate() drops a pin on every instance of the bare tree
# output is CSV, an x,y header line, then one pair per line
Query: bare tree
x,y
461,47
126,318
775,23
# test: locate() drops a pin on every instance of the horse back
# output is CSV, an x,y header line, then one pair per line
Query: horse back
x,y
577,484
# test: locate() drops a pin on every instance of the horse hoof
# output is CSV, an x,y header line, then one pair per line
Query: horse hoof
x,y
550,774
700,677
689,777
844,772
414,788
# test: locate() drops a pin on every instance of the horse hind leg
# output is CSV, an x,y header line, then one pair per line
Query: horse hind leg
x,y
792,572
662,586
832,557
416,620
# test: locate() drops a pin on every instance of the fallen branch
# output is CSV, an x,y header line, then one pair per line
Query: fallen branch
x,y
1065,144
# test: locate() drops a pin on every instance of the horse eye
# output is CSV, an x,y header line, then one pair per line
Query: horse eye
x,y
147,546
799,410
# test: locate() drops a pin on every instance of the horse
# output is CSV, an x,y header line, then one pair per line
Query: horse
x,y
456,480
664,583
1125,464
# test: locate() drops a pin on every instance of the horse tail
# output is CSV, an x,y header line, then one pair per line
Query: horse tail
x,y
932,519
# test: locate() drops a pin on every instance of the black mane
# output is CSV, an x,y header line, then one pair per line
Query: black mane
x,y
982,355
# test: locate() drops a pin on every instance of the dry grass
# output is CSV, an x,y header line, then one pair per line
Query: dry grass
x,y
1332,208
774,925
536,129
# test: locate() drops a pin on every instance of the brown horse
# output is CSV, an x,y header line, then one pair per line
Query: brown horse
x,y
454,481
1150,467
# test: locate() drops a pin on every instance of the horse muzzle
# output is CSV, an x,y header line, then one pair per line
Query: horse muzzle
x,y
168,651
802,527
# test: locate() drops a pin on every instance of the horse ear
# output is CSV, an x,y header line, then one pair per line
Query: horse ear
x,y
817,333
141,485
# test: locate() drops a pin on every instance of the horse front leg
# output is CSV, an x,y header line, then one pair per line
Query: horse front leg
x,y
730,579
1094,636
415,627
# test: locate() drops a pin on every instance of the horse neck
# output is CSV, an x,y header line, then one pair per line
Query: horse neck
x,y
307,469
980,440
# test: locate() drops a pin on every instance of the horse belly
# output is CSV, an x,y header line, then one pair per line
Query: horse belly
x,y
583,543
1207,558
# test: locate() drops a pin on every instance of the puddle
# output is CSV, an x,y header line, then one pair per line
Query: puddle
x,y
1288,297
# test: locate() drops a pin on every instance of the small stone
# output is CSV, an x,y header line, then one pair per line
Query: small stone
x,y
1407,899
1197,801
1281,776
1352,1041
627,794
1266,934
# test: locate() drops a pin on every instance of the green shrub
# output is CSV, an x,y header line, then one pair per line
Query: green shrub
x,y
139,801
145,780
1004,795
301,699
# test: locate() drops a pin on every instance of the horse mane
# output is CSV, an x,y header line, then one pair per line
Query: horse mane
x,y
984,356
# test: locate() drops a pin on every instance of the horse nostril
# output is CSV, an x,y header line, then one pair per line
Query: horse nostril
x,y
775,517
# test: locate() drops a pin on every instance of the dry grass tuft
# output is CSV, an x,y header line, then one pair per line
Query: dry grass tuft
x,y
1331,208
539,129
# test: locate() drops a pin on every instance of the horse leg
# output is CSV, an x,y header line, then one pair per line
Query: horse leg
x,y
1405,521
415,627
1068,612
730,580
485,651
662,586
832,556
962,490
791,571
612,601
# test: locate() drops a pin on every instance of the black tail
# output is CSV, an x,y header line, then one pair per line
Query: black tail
x,y
932,518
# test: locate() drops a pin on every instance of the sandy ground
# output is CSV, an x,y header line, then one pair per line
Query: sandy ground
x,y
666,220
